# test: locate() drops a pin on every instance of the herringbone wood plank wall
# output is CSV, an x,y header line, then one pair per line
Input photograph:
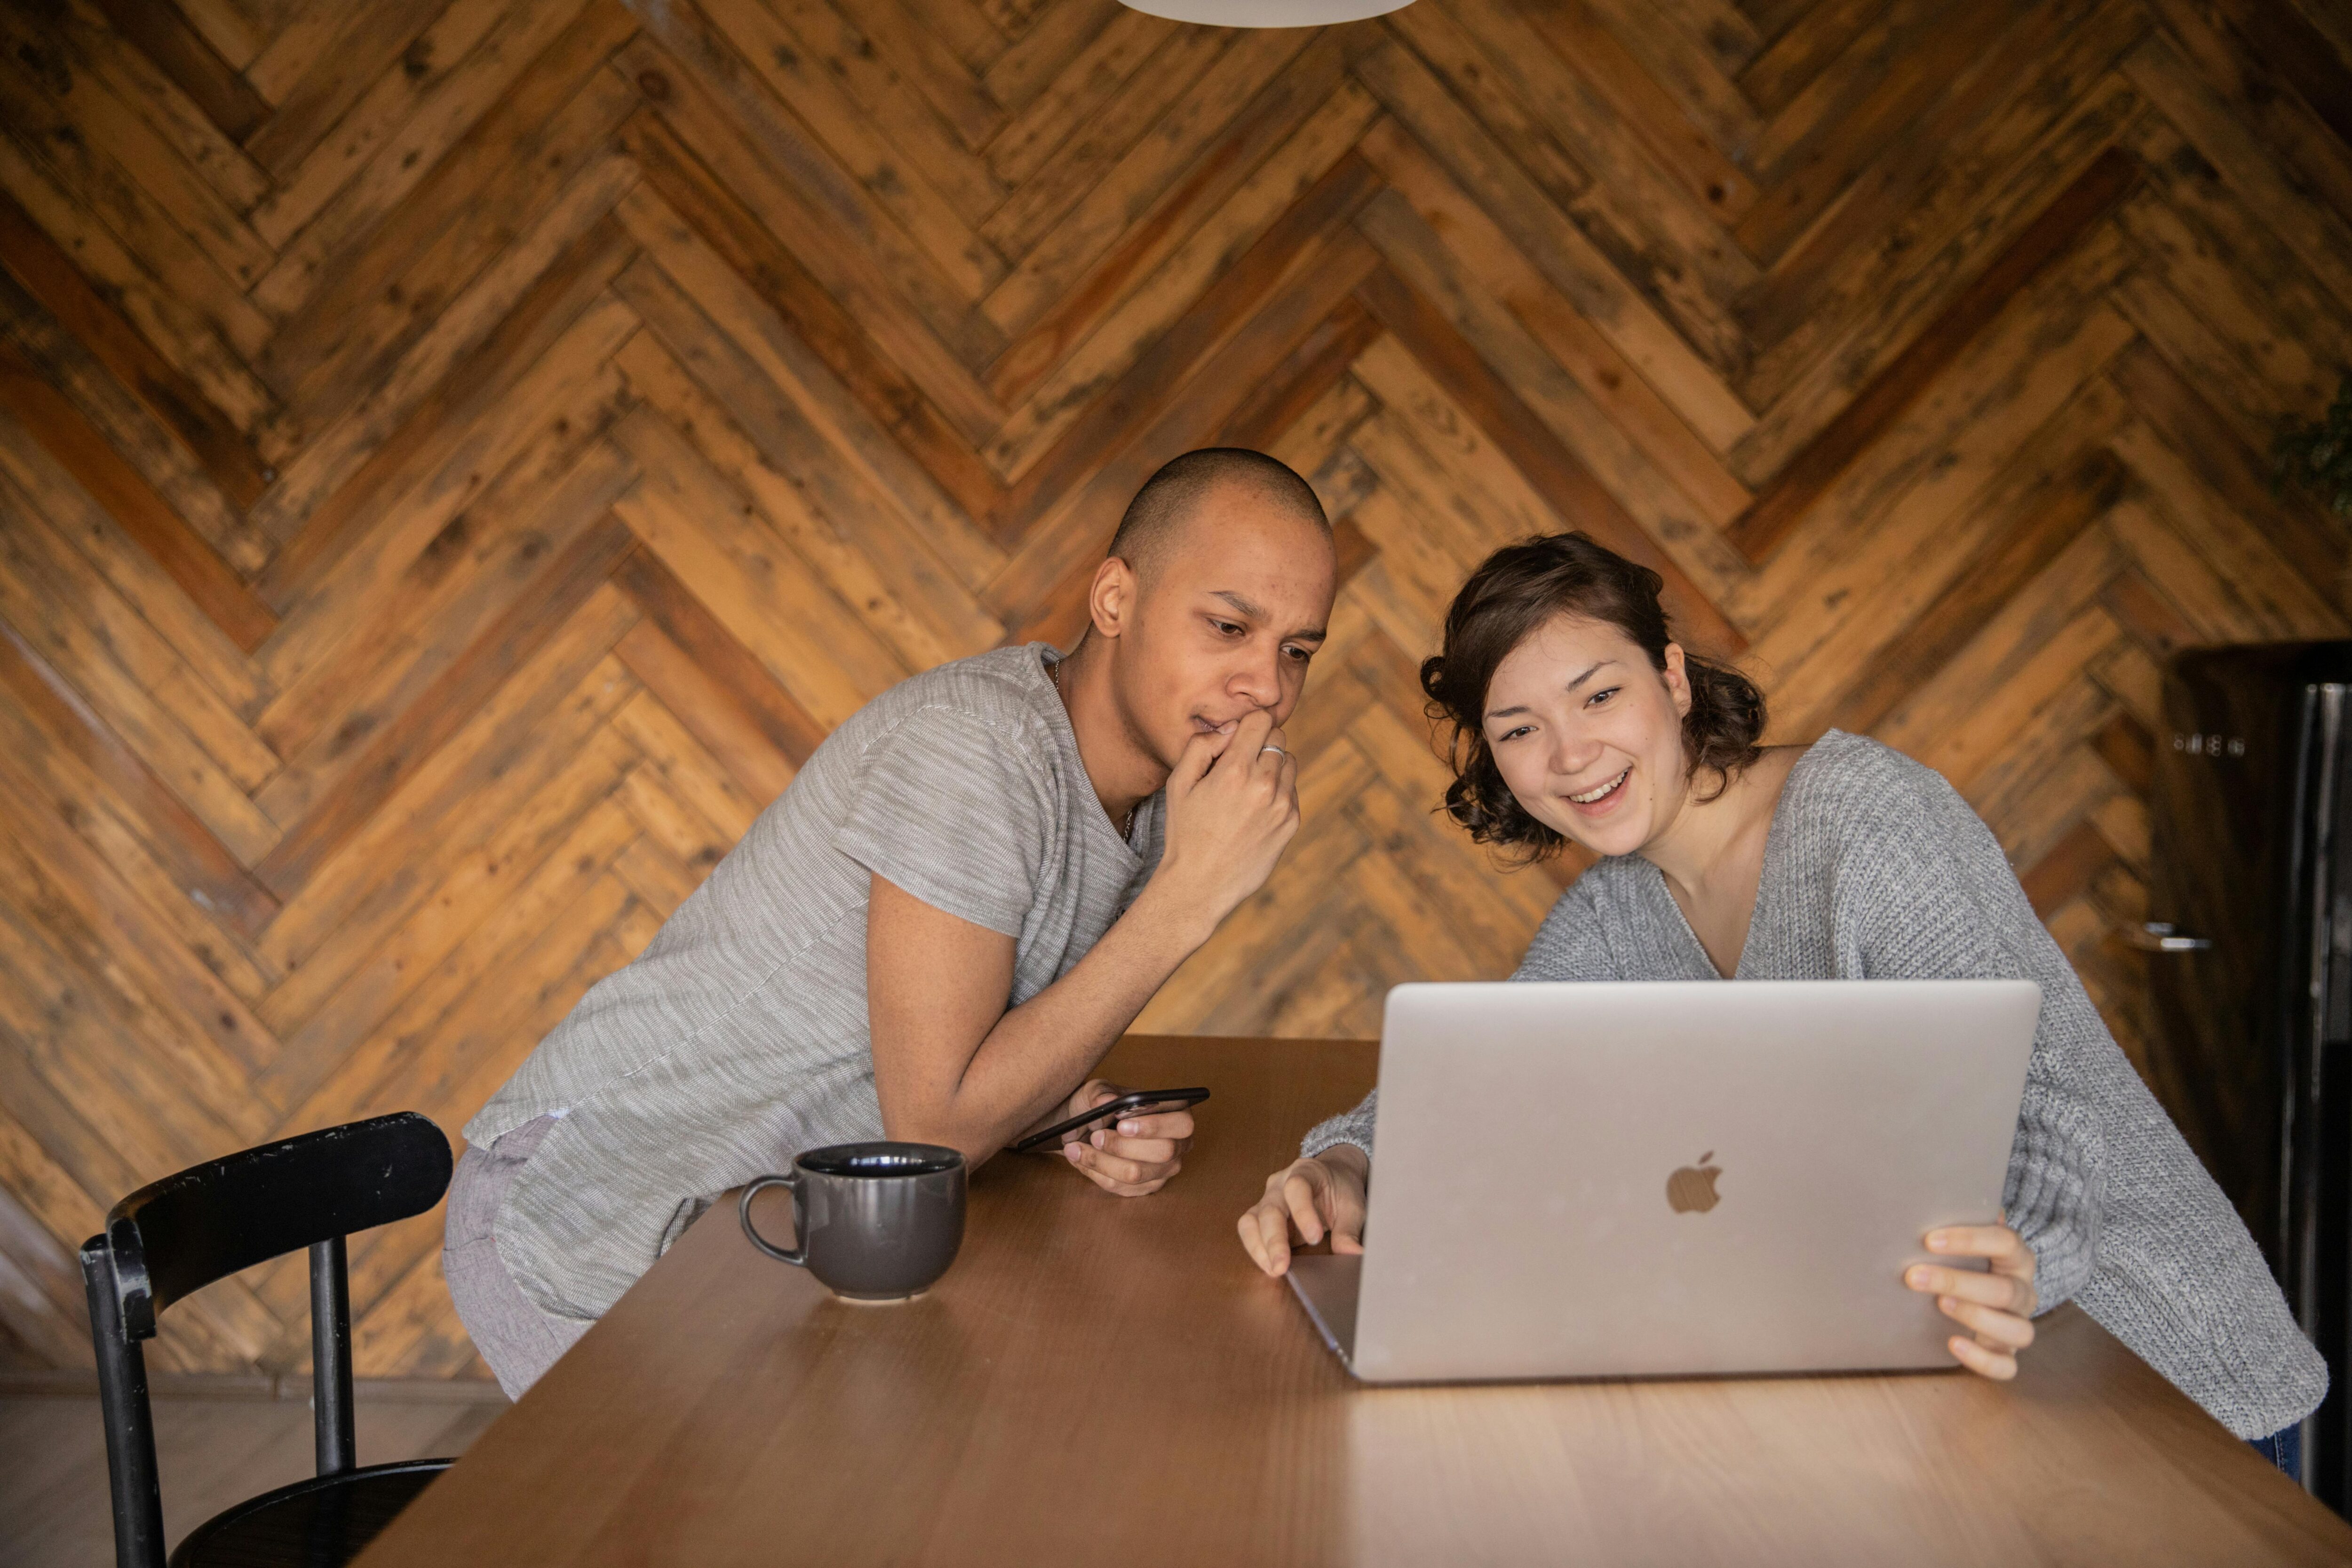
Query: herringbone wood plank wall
x,y
457,460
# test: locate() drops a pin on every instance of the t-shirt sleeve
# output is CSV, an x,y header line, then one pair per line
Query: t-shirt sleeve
x,y
948,809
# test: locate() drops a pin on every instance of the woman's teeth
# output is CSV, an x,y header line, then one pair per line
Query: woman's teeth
x,y
1589,796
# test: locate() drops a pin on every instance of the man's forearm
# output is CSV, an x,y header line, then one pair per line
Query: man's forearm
x,y
1038,1052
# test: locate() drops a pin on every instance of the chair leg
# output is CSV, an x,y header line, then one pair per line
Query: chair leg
x,y
330,1357
137,1502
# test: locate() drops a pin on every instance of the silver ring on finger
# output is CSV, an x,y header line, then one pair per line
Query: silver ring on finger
x,y
1277,749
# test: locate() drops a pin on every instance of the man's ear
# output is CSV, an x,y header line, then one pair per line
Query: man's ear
x,y
1111,601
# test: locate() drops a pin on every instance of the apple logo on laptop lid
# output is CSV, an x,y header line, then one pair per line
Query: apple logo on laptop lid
x,y
1691,1190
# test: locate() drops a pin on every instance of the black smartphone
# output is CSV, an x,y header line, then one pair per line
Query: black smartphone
x,y
1112,1109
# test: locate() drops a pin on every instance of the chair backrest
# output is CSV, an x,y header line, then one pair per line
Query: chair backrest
x,y
176,1236
172,1237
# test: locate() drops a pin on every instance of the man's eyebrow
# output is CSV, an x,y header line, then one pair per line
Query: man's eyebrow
x,y
1238,602
1311,633
1506,712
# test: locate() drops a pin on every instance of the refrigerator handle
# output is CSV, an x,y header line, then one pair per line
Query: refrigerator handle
x,y
2157,936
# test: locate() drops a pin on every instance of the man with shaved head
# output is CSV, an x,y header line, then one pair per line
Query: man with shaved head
x,y
933,935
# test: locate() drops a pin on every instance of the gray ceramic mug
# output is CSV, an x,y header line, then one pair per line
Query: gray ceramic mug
x,y
876,1222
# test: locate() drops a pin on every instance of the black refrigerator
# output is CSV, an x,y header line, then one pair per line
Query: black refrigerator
x,y
2250,958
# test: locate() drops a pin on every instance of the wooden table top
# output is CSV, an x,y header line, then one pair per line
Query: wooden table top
x,y
1109,1380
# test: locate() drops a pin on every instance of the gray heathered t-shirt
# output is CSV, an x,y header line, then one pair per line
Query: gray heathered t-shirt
x,y
738,1038
1875,869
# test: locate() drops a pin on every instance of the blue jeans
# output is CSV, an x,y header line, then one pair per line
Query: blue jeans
x,y
2284,1448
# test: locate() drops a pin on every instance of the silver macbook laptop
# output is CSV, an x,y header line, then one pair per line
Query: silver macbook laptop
x,y
1661,1179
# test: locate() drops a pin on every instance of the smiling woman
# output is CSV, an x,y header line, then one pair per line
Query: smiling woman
x,y
1502,640
1577,718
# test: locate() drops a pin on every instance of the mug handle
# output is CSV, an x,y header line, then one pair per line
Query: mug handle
x,y
790,1180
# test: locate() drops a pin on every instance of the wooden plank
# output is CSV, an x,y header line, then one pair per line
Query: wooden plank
x,y
934,191
1604,374
903,76
2060,226
110,653
1042,54
188,559
1149,385
180,321
52,774
2193,434
1642,102
1843,305
1688,270
1299,383
564,400
464,220
709,533
2065,508
316,70
45,142
1079,347
87,41
1097,142
117,571
916,602
401,749
1678,199
433,653
723,667
1248,103
185,56
333,505
1689,359
775,174
1816,35
521,737
1637,490
89,109
2039,65
2321,237
1680,63
700,208
833,222
2253,79
1888,88
343,1044
137,438
677,761
1049,108
1537,452
1043,578
56,882
725,308
2002,413
421,619
389,109
726,729
209,434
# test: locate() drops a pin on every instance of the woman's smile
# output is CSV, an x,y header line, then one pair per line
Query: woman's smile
x,y
1602,797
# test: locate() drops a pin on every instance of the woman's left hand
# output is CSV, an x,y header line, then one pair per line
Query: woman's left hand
x,y
1996,1307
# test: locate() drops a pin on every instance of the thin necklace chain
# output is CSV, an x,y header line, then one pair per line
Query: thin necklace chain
x,y
1053,674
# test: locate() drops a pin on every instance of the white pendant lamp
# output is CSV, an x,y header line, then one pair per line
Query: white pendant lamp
x,y
1265,13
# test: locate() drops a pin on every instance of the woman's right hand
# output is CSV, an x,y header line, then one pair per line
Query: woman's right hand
x,y
1320,1195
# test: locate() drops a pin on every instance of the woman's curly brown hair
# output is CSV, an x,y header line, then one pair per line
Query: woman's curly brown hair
x,y
1520,588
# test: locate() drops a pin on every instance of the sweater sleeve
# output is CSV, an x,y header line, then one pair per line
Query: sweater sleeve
x,y
1940,902
2119,1212
1570,944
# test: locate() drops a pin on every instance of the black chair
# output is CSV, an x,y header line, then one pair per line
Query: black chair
x,y
169,1239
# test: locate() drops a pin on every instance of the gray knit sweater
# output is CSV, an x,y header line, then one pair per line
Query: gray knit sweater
x,y
1875,869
